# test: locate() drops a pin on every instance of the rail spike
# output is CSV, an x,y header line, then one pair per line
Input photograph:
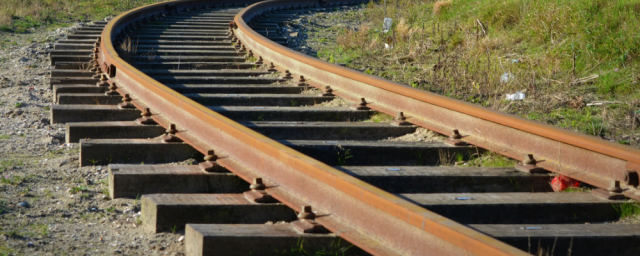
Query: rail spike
x,y
210,164
146,117
126,102
112,89
171,135
306,222
258,193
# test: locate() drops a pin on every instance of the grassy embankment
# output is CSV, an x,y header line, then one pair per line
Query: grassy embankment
x,y
562,54
21,15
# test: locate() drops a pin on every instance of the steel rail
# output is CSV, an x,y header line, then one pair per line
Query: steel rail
x,y
589,159
370,218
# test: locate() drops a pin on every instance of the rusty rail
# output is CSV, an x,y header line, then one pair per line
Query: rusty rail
x,y
592,160
370,218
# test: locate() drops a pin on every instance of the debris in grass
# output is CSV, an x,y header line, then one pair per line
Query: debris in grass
x,y
386,25
516,96
561,182
507,77
600,103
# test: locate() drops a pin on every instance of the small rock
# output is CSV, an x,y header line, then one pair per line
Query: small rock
x,y
30,244
23,204
181,239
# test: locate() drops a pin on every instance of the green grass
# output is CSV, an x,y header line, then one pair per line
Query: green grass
x,y
380,117
461,48
78,189
343,156
40,229
4,137
3,206
627,209
490,159
5,164
4,250
12,179
338,55
9,163
574,189
19,16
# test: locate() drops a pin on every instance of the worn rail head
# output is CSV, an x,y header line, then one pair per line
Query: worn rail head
x,y
589,159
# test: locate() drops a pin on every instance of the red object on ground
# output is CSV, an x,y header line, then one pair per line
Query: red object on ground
x,y
30,88
560,183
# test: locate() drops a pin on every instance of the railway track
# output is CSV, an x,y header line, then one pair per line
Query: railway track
x,y
275,130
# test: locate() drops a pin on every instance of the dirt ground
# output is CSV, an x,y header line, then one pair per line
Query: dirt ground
x,y
48,205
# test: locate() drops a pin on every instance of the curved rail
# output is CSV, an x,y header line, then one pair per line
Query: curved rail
x,y
368,217
583,157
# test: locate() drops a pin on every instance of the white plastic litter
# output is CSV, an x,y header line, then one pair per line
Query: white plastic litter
x,y
386,46
507,77
516,96
386,24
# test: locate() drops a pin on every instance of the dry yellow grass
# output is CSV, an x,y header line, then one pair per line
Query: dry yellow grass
x,y
353,39
404,30
440,5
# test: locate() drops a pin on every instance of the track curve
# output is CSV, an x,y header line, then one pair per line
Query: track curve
x,y
372,219
204,134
